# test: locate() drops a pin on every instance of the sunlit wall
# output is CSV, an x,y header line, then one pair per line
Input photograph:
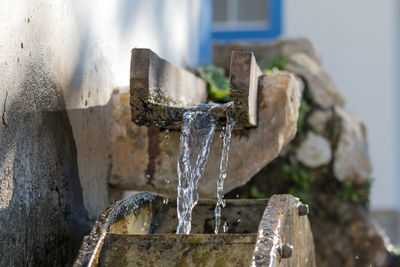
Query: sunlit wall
x,y
85,46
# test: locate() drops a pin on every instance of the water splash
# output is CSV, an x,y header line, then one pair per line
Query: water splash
x,y
225,228
197,131
223,166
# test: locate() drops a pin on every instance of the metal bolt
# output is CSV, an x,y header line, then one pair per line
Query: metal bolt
x,y
285,251
303,209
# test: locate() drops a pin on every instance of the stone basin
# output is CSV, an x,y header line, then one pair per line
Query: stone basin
x,y
140,231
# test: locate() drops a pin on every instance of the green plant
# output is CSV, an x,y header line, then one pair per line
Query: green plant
x,y
256,193
324,170
277,62
302,180
217,83
354,193
303,110
299,175
322,214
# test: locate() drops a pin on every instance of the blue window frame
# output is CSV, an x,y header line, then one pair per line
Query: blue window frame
x,y
271,29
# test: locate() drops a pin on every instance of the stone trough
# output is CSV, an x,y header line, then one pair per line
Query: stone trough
x,y
140,231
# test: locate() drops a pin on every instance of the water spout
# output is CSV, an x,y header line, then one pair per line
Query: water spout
x,y
197,132
227,133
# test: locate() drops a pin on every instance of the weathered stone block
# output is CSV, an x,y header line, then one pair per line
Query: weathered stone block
x,y
351,159
319,119
244,74
146,158
284,236
140,230
314,151
161,91
322,91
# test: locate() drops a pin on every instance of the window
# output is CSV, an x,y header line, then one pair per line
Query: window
x,y
246,19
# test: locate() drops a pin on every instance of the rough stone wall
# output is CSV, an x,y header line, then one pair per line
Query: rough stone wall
x,y
327,165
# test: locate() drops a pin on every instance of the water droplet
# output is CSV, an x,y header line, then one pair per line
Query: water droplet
x,y
166,181
237,196
225,227
223,203
238,220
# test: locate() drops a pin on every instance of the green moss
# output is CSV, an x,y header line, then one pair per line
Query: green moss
x,y
217,83
303,110
256,193
302,179
354,193
300,176
324,170
276,63
322,214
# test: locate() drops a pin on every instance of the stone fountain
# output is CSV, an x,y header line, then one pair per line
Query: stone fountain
x,y
140,230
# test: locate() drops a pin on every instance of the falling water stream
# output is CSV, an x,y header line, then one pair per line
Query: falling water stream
x,y
197,131
223,166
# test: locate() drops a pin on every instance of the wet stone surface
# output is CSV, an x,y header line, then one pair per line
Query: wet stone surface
x,y
257,229
142,158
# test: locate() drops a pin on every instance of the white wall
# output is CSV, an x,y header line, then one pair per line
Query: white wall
x,y
108,30
59,63
86,46
170,28
358,41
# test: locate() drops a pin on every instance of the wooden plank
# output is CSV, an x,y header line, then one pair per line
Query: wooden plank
x,y
160,91
244,74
